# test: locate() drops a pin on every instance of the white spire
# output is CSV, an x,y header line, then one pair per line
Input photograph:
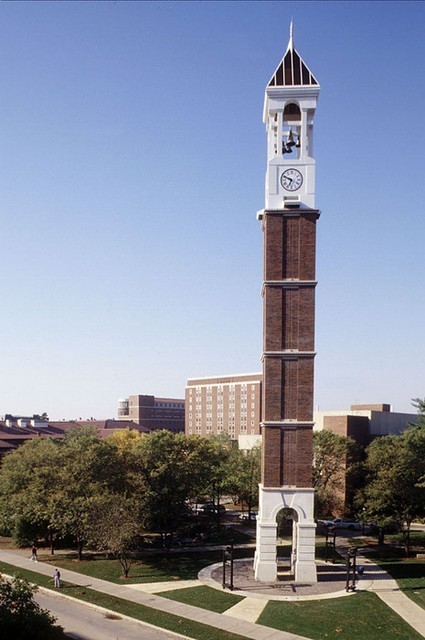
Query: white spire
x,y
291,35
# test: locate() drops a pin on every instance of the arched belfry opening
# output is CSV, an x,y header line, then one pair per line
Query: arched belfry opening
x,y
289,227
291,130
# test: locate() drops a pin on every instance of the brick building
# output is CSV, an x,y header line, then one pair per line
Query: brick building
x,y
224,404
363,423
154,413
16,430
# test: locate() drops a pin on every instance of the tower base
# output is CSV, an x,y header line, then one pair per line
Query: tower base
x,y
271,501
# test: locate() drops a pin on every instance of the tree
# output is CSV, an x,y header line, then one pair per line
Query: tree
x,y
244,476
42,416
47,486
218,454
88,468
394,494
419,403
167,472
114,525
21,617
333,459
28,486
125,440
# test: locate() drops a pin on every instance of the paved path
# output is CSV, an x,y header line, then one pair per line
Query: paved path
x,y
380,582
247,609
241,617
226,623
160,587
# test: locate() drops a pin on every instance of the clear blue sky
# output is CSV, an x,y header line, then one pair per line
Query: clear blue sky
x,y
132,163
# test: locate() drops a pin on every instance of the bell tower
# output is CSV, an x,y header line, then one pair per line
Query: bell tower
x,y
289,228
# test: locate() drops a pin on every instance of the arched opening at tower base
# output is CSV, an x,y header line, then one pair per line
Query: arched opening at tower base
x,y
301,502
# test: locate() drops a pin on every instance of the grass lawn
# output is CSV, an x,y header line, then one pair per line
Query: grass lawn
x,y
410,576
362,616
168,621
409,572
204,597
149,568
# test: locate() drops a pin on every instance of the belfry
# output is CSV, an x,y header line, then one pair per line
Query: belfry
x,y
289,229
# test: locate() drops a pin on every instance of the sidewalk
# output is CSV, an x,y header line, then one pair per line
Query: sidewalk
x,y
216,620
238,620
380,582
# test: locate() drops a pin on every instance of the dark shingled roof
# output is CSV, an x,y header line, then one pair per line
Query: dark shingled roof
x,y
292,70
13,436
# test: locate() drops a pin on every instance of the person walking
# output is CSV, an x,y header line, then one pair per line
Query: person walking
x,y
33,554
57,578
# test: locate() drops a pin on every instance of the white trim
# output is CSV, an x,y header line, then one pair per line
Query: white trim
x,y
191,381
295,424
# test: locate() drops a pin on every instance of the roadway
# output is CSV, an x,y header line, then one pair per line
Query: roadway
x,y
82,622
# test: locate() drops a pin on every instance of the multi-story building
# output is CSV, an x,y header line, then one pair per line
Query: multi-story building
x,y
364,422
224,404
154,413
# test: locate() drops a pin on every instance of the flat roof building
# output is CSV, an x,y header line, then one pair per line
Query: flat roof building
x,y
224,404
153,413
364,422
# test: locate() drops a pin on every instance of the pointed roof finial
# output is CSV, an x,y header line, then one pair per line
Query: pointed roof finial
x,y
292,70
291,35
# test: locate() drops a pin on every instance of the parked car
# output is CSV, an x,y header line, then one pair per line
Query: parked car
x,y
340,523
245,515
209,508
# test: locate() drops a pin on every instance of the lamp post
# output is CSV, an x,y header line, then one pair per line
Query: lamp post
x,y
228,555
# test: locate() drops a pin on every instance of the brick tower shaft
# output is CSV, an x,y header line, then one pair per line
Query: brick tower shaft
x,y
288,356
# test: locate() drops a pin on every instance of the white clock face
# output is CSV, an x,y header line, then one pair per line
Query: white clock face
x,y
291,179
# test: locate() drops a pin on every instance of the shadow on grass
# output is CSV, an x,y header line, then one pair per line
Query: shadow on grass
x,y
406,570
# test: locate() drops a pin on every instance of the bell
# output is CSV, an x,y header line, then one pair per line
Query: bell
x,y
298,143
286,148
290,142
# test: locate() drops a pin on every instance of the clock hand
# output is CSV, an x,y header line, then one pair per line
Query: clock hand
x,y
288,178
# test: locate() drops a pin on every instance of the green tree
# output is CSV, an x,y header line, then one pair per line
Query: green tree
x,y
419,403
245,475
88,468
219,453
394,494
334,458
114,525
42,416
47,487
28,485
167,472
21,617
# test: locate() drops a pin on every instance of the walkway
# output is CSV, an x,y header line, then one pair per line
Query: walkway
x,y
240,619
216,620
380,582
